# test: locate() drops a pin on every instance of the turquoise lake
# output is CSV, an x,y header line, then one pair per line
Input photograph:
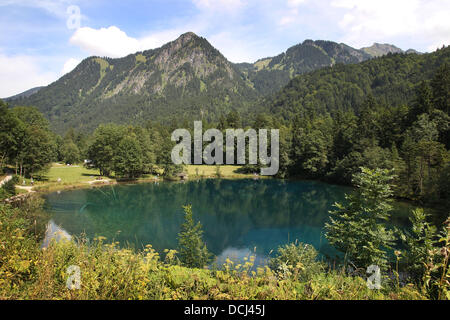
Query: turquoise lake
x,y
239,217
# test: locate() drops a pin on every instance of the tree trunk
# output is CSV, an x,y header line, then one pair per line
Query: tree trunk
x,y
421,176
1,160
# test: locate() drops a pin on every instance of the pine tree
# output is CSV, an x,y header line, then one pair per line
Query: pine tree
x,y
192,250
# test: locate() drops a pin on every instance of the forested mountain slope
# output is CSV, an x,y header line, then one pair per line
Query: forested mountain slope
x,y
184,80
391,79
271,74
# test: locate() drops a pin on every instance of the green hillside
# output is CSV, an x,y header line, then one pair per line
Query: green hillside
x,y
391,79
184,80
271,74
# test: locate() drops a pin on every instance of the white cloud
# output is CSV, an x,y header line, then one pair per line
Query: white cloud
x,y
291,14
220,5
20,73
115,43
69,65
111,42
424,21
295,3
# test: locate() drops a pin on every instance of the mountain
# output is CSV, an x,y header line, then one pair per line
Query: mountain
x,y
392,80
378,49
271,74
412,51
186,79
24,94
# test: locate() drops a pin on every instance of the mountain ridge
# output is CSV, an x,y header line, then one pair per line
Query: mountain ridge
x,y
186,79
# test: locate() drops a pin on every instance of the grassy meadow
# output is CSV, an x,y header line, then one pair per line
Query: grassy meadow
x,y
78,176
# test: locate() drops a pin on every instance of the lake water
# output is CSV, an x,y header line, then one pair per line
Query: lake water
x,y
239,217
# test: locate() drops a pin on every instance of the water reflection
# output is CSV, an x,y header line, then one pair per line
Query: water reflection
x,y
237,215
54,232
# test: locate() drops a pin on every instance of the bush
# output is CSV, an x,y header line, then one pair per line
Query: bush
x,y
358,228
419,245
297,261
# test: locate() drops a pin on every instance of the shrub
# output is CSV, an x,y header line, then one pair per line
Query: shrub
x,y
357,228
419,245
296,260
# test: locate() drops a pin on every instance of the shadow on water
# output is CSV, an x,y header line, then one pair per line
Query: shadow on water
x,y
239,217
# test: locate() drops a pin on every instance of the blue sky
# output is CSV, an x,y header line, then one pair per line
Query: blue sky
x,y
37,46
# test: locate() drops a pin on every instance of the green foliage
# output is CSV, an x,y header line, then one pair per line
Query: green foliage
x,y
427,256
441,88
128,151
419,245
26,140
105,143
70,153
392,80
296,261
19,249
357,228
8,137
192,250
128,159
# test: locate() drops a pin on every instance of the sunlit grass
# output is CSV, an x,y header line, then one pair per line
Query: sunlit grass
x,y
211,171
74,174
71,174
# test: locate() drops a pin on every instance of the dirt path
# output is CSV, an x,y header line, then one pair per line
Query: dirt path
x,y
29,189
104,181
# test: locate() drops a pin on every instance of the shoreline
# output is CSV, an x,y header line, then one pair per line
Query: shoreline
x,y
47,188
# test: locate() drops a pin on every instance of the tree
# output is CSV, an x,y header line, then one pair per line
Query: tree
x,y
105,143
70,152
128,159
147,144
8,134
424,155
233,120
441,88
357,228
35,144
37,151
192,250
424,101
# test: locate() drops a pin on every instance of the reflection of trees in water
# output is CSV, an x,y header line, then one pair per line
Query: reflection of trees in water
x,y
234,213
